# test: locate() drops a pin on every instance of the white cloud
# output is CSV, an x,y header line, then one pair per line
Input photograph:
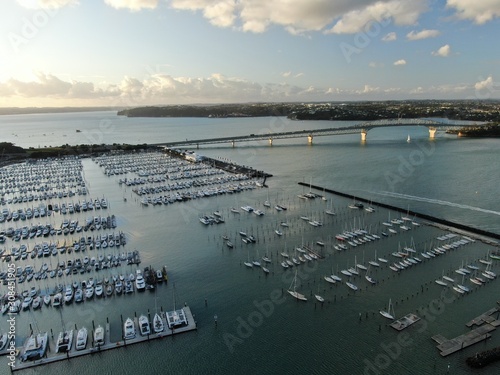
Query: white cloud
x,y
484,84
298,75
400,62
299,16
480,11
424,34
46,4
286,74
159,88
444,51
133,5
374,64
390,37
401,12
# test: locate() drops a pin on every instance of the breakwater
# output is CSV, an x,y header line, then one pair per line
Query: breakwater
x,y
412,213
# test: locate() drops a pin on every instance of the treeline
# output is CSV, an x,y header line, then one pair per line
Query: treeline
x,y
492,130
11,152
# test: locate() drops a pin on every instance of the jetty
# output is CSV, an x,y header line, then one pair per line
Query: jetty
x,y
486,322
480,234
405,322
92,348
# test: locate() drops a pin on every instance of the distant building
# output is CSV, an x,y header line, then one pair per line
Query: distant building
x,y
192,156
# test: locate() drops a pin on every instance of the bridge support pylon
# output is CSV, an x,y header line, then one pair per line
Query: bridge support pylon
x,y
310,139
363,135
270,141
432,133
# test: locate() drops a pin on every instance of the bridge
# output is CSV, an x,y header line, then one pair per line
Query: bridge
x,y
361,128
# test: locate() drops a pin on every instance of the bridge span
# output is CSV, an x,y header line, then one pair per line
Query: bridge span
x,y
361,128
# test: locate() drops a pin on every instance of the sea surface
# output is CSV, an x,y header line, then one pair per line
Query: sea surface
x,y
260,328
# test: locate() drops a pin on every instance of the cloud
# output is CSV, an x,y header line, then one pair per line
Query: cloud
x,y
299,16
444,51
424,34
159,88
133,5
479,11
289,74
484,84
46,4
374,64
400,62
390,37
401,12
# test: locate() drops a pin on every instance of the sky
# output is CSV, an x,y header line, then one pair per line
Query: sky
x,y
126,53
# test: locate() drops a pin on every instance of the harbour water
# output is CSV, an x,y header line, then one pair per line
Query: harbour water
x,y
259,329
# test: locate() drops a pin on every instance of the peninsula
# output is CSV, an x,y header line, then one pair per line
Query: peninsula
x,y
488,110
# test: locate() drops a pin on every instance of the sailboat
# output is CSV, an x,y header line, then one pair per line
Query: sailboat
x,y
389,314
266,258
319,298
158,325
329,210
256,262
293,292
266,202
369,278
248,263
408,139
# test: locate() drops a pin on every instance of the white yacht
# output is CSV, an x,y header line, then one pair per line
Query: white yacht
x,y
99,336
144,327
128,329
140,284
81,339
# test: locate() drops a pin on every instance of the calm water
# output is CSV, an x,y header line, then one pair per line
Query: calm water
x,y
258,330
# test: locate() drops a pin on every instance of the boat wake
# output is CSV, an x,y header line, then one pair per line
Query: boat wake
x,y
436,201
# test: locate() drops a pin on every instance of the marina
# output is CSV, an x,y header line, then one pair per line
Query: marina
x,y
55,355
241,311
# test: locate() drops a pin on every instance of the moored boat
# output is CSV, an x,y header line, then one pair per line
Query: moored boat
x,y
144,327
64,341
99,336
35,347
128,329
158,325
81,339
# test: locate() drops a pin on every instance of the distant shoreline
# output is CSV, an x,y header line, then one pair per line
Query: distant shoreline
x,y
479,110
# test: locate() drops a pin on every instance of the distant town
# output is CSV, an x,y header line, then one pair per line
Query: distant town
x,y
484,111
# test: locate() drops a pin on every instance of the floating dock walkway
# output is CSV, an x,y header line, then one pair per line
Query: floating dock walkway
x,y
405,322
486,324
52,356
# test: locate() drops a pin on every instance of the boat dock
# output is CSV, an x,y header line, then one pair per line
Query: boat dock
x,y
485,318
405,322
91,348
483,235
486,322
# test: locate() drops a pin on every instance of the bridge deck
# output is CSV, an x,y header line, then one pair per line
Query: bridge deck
x,y
354,129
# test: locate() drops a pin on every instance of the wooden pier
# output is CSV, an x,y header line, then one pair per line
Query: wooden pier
x,y
52,356
486,323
